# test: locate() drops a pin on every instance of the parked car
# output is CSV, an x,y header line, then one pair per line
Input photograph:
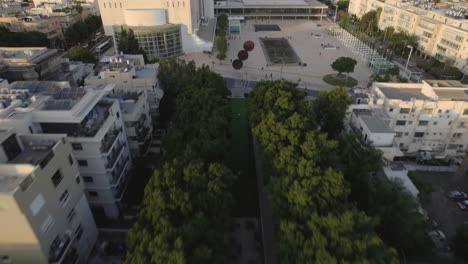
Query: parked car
x,y
463,205
437,234
457,195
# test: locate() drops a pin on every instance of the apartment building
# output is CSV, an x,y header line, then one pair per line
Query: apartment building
x,y
163,28
28,64
44,212
48,25
10,7
92,122
430,117
130,74
137,120
442,28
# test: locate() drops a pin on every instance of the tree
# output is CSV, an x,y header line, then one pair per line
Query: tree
x,y
343,4
23,39
369,21
344,64
424,186
128,44
78,53
460,242
331,109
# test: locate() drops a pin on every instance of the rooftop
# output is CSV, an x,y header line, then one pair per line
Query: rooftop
x,y
34,151
207,31
20,53
271,3
375,124
450,94
405,94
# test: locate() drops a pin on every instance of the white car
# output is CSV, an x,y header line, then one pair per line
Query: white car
x,y
463,205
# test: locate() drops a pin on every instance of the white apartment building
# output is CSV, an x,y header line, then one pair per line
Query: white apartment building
x,y
93,124
137,120
430,117
130,74
45,216
163,28
442,30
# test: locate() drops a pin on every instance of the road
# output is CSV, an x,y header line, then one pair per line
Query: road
x,y
239,87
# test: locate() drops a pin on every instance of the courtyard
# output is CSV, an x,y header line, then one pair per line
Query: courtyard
x,y
307,39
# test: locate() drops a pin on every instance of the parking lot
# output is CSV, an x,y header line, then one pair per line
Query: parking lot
x,y
440,208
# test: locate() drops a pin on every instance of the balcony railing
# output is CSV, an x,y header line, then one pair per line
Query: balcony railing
x,y
114,155
117,172
109,139
58,247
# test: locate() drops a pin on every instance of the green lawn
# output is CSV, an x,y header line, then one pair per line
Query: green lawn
x,y
333,80
241,160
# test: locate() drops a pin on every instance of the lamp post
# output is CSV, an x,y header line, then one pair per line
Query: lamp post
x,y
407,62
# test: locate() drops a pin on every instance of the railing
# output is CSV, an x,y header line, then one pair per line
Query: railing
x,y
118,170
58,248
115,154
109,140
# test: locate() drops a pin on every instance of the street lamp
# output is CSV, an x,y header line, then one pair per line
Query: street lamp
x,y
407,62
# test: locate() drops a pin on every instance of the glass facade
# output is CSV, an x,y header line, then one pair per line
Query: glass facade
x,y
158,42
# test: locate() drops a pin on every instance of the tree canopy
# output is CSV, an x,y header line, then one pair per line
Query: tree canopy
x,y
23,39
82,29
185,214
314,221
331,108
344,64
128,44
78,53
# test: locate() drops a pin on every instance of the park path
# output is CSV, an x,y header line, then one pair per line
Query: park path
x,y
270,247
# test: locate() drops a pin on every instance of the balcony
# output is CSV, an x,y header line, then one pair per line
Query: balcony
x,y
142,134
109,139
58,247
117,172
112,158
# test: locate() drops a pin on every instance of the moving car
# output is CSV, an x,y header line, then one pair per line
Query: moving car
x,y
457,195
463,205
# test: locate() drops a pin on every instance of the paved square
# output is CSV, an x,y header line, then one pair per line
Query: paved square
x,y
301,35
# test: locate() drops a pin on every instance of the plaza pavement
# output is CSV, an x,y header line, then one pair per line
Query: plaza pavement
x,y
307,48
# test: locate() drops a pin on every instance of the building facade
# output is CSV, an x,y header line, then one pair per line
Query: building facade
x,y
430,117
28,64
130,74
163,28
45,214
93,124
442,30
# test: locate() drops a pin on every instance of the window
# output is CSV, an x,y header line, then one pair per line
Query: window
x,y
423,123
440,111
462,124
419,134
404,111
46,159
57,178
104,5
31,130
402,145
37,204
401,122
83,163
115,5
48,222
390,110
399,134
88,179
427,111
79,232
457,135
406,133
450,122
447,111
11,147
120,4
71,215
435,123
465,112
64,198
77,146
410,122
70,159
118,115
93,194
461,146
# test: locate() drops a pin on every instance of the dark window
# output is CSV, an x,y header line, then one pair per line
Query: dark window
x,y
77,146
79,232
401,122
30,130
435,123
11,147
404,111
391,109
64,198
423,123
46,159
465,112
118,115
57,178
399,134
71,215
70,159
78,179
88,179
93,194
419,134
83,163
